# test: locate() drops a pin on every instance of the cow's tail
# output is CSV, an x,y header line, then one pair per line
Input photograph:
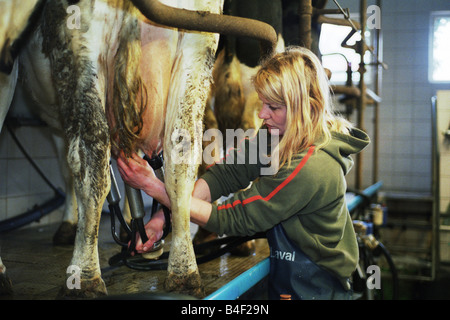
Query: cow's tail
x,y
130,96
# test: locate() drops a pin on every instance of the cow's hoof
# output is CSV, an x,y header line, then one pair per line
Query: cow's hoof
x,y
190,284
5,285
65,235
245,249
204,236
87,289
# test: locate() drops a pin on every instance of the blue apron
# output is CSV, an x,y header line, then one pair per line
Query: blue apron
x,y
293,273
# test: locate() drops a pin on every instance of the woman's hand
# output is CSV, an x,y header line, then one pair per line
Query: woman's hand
x,y
154,230
135,171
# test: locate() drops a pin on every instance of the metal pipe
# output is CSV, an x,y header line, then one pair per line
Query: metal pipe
x,y
135,201
350,91
362,100
241,284
378,84
137,211
305,11
338,22
369,192
435,187
114,193
209,22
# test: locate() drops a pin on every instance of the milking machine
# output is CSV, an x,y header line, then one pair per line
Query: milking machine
x,y
137,211
156,259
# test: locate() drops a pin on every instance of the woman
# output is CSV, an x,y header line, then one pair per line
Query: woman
x,y
302,206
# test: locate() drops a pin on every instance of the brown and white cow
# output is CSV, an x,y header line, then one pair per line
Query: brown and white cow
x,y
110,79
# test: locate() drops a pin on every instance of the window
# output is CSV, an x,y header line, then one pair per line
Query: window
x,y
336,58
439,49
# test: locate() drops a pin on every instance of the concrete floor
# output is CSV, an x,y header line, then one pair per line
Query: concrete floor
x,y
37,268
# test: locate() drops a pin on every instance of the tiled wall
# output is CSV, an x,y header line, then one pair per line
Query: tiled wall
x,y
21,188
405,112
405,134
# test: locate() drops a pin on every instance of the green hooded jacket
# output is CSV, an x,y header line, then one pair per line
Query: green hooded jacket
x,y
307,198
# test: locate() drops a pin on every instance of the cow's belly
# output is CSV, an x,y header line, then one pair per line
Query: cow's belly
x,y
36,74
158,52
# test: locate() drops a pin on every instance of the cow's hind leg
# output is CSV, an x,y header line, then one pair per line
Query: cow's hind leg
x,y
88,157
189,90
77,79
65,235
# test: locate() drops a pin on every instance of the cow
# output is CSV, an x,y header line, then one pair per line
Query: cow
x,y
111,80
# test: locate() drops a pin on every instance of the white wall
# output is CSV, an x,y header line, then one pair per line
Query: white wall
x,y
405,134
405,112
21,188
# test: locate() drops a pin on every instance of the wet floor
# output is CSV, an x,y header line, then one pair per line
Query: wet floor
x,y
37,268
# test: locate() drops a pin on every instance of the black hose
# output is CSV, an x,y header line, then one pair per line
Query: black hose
x,y
38,211
113,212
13,135
35,214
141,264
395,287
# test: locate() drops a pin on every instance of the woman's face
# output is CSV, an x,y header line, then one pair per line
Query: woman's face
x,y
273,116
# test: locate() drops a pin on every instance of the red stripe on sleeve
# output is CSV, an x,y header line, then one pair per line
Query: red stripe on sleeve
x,y
274,191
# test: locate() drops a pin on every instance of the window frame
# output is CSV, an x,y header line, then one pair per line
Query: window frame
x,y
433,16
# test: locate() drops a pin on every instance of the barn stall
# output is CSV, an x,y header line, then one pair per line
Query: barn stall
x,y
37,267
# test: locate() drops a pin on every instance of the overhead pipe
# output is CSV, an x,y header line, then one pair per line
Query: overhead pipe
x,y
305,11
205,21
338,22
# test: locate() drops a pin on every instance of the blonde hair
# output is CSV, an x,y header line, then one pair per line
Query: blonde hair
x,y
296,79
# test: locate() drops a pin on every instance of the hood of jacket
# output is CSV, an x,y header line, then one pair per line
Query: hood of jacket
x,y
342,146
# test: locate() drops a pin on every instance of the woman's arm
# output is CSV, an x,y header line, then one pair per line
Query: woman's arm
x,y
137,173
201,190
